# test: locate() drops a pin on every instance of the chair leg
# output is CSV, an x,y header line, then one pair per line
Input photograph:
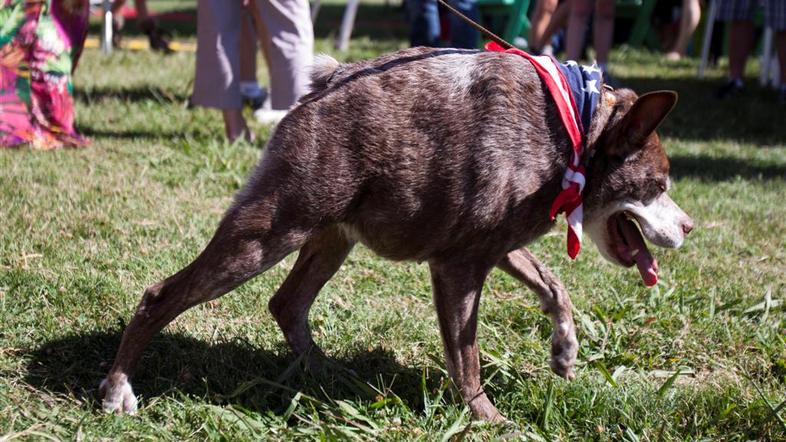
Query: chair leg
x,y
641,27
347,23
517,22
705,44
766,58
106,34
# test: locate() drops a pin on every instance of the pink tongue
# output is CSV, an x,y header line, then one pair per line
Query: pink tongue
x,y
648,267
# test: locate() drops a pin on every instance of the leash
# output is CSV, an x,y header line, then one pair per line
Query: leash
x,y
492,36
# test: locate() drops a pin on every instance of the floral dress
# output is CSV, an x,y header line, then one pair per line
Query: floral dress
x,y
40,43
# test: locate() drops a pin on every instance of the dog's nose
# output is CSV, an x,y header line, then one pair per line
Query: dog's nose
x,y
687,226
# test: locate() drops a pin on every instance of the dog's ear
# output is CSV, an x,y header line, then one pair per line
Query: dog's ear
x,y
647,113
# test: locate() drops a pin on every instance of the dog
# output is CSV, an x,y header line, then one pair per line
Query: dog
x,y
452,157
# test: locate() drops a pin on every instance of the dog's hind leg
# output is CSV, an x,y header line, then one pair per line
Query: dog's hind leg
x,y
251,238
318,261
522,265
457,288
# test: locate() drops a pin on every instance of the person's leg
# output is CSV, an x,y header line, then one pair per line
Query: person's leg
x,y
216,83
462,34
158,38
291,48
117,21
235,125
691,13
780,41
424,28
580,11
541,18
740,44
603,31
142,13
780,44
738,14
117,5
558,22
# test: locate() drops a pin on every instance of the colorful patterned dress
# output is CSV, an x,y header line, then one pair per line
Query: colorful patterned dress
x,y
40,43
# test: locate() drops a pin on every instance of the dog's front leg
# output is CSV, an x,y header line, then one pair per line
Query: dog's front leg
x,y
554,299
457,290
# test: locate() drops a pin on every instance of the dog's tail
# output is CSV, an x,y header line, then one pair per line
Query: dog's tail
x,y
322,71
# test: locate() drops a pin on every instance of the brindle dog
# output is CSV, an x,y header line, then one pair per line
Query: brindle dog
x,y
447,156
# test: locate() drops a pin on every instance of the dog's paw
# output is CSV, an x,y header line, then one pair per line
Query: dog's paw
x,y
117,397
319,365
562,371
564,349
482,409
562,364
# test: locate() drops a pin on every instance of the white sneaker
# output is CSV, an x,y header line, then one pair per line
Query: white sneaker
x,y
269,116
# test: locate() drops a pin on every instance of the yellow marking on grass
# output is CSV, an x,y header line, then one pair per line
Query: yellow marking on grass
x,y
141,44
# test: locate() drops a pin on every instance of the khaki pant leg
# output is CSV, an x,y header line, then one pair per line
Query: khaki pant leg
x,y
288,23
217,79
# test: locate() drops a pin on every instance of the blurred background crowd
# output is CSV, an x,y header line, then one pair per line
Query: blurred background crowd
x,y
41,41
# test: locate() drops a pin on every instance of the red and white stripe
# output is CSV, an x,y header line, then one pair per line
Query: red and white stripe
x,y
569,200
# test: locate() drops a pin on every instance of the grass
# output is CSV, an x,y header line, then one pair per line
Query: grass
x,y
700,357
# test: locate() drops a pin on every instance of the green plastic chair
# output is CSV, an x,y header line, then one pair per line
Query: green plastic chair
x,y
640,11
508,17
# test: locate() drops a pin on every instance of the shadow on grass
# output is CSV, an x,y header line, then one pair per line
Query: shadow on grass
x,y
754,117
130,95
707,168
91,132
225,373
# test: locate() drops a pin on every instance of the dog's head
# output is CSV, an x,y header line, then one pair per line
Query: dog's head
x,y
628,183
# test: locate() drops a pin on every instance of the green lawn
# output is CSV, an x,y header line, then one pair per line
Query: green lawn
x,y
701,356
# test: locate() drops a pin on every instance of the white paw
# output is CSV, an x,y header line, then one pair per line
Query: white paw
x,y
118,398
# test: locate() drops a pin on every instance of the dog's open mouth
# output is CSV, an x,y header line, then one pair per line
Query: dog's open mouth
x,y
628,245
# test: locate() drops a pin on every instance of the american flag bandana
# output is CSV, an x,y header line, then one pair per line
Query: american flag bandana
x,y
576,92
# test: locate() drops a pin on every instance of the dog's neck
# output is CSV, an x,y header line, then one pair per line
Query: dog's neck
x,y
600,119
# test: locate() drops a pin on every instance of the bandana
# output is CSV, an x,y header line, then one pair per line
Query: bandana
x,y
576,92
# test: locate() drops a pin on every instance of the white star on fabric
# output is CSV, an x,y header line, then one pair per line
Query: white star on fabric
x,y
592,69
571,63
592,87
